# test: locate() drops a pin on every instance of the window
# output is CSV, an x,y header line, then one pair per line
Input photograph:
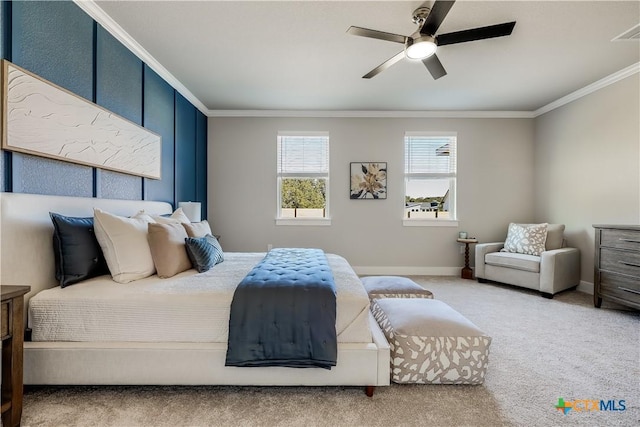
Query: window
x,y
430,177
303,177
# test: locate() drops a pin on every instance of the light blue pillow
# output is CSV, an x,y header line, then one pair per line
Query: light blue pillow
x,y
204,252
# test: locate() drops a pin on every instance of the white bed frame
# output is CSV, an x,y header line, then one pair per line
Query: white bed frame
x,y
27,259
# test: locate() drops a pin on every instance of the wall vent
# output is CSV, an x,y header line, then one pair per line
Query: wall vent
x,y
631,34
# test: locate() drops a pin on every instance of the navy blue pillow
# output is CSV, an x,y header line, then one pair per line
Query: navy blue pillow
x,y
77,252
204,252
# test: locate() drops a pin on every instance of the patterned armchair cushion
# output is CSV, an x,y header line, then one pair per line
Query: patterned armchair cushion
x,y
393,287
528,239
431,343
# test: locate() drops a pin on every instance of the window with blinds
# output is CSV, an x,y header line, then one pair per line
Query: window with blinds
x,y
430,176
303,175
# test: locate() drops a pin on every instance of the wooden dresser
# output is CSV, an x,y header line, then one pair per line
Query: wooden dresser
x,y
12,328
617,265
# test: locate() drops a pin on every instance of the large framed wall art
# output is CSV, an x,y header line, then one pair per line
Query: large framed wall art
x,y
43,119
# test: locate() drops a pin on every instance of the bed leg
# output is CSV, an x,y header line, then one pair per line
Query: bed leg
x,y
369,390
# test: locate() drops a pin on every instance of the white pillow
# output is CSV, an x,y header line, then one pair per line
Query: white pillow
x,y
124,245
177,217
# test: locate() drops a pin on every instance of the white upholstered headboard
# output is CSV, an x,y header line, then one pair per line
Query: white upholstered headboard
x,y
26,245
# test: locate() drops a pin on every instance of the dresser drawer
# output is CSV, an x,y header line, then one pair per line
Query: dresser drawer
x,y
621,239
622,287
4,320
623,262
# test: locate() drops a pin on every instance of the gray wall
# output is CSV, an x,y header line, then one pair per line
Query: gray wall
x,y
495,186
587,164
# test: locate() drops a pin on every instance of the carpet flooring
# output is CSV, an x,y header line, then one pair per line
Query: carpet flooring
x,y
542,350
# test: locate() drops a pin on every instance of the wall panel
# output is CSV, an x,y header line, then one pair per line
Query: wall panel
x,y
5,53
38,175
55,41
5,30
185,150
201,161
159,112
118,89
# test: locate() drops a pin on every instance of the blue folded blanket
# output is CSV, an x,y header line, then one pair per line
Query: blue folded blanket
x,y
284,313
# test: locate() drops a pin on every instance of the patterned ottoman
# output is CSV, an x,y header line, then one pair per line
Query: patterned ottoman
x,y
431,343
393,287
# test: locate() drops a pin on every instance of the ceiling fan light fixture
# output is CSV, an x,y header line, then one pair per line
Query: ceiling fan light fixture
x,y
420,48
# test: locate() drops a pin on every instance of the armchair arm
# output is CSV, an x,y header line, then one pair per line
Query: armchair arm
x,y
481,250
559,270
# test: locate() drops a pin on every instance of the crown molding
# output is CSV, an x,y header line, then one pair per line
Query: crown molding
x,y
597,85
102,18
395,114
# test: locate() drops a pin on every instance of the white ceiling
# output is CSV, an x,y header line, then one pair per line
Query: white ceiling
x,y
296,55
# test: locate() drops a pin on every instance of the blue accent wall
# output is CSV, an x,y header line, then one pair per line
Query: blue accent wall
x,y
118,89
185,165
61,43
201,161
5,52
55,41
159,114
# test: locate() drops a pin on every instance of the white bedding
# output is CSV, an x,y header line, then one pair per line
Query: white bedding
x,y
188,307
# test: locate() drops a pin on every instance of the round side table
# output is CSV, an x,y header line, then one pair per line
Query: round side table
x,y
467,272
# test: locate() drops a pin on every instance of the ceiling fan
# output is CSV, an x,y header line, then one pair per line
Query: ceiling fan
x,y
422,44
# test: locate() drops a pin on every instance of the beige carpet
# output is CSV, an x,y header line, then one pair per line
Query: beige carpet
x,y
542,350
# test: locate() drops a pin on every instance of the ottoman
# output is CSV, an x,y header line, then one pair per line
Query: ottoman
x,y
393,287
431,343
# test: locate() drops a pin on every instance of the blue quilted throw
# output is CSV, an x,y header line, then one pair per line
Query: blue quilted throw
x,y
284,313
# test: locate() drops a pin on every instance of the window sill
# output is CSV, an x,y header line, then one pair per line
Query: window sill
x,y
430,223
304,221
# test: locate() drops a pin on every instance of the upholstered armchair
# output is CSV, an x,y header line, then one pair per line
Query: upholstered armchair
x,y
532,257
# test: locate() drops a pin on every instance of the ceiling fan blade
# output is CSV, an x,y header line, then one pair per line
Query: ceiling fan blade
x,y
386,64
439,11
480,33
375,34
434,66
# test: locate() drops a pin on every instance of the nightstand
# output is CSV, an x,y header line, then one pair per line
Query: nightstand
x,y
12,331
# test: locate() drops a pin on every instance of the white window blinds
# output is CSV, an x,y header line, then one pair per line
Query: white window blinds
x,y
303,156
429,156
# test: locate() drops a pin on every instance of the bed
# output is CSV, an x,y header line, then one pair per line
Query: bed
x,y
157,331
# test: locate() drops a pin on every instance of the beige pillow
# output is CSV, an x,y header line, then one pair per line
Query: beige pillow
x,y
555,236
166,242
124,245
197,229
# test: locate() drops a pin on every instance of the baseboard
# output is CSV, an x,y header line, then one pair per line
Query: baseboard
x,y
586,287
406,271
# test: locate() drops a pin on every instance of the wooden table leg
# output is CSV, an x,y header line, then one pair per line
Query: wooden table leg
x,y
467,272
